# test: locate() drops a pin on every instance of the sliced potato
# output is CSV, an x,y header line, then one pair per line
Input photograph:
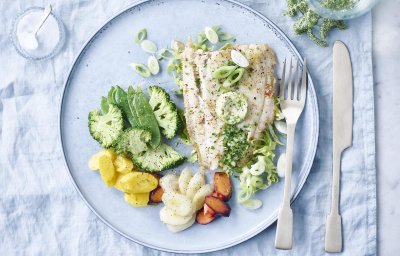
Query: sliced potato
x,y
168,216
138,182
184,179
123,164
169,182
200,196
178,203
139,199
179,228
196,182
107,170
94,160
117,184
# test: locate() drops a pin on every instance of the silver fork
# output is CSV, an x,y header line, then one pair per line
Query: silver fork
x,y
292,104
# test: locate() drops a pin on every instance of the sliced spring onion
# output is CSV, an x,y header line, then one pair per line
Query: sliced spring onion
x,y
177,46
193,156
148,46
152,64
281,165
239,59
216,28
226,46
257,182
252,204
258,168
244,195
141,69
234,77
211,35
201,38
223,72
281,126
165,53
140,35
223,36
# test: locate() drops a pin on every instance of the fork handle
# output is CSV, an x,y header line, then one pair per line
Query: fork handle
x,y
284,229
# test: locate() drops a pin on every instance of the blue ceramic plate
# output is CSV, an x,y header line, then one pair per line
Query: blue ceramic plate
x,y
103,62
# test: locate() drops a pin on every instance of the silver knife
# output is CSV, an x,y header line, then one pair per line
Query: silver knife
x,y
342,137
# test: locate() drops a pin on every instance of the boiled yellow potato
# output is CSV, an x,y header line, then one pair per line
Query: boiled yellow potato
x,y
117,184
94,160
107,170
123,164
139,199
138,182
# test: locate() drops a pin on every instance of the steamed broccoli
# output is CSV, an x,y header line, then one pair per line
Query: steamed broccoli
x,y
165,111
159,159
105,127
134,144
132,141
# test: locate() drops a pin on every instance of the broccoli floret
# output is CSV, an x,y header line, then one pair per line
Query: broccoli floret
x,y
161,158
106,127
132,141
165,111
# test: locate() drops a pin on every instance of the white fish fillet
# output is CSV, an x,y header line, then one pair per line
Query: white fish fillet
x,y
201,92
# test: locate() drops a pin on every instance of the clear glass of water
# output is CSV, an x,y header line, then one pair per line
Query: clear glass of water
x,y
342,9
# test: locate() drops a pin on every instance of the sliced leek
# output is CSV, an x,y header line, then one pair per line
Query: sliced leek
x,y
211,35
141,69
140,35
223,72
239,59
152,64
234,77
148,46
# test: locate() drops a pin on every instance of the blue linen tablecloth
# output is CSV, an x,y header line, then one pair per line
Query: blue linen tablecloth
x,y
42,214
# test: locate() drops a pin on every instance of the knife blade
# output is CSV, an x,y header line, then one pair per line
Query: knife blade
x,y
342,97
342,128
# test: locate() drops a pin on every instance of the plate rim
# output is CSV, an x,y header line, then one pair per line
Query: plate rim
x,y
255,230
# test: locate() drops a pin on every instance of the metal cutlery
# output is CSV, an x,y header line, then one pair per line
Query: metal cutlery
x,y
293,97
342,137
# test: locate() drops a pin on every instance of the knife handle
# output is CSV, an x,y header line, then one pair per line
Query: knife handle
x,y
333,233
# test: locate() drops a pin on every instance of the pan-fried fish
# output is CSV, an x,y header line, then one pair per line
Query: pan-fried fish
x,y
202,91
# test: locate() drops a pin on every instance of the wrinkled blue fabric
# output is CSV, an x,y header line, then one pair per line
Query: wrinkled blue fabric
x,y
42,214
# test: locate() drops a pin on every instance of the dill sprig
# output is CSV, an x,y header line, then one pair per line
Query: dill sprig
x,y
310,23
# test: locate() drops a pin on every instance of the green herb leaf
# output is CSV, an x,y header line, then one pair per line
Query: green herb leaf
x,y
104,106
143,114
309,21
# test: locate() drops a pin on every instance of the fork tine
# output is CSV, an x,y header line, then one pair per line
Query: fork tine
x,y
282,84
290,83
304,81
296,81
